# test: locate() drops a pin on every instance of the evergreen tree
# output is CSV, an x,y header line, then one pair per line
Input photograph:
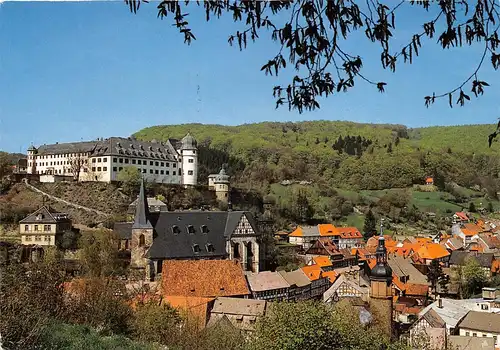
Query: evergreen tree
x,y
389,148
370,226
439,180
490,207
436,276
472,207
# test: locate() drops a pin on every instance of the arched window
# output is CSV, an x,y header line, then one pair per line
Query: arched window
x,y
142,240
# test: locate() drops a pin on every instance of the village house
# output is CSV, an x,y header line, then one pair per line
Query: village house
x,y
488,242
171,162
342,237
204,278
345,287
320,281
267,285
243,314
429,181
44,227
468,232
430,252
480,324
485,260
460,217
300,285
407,280
189,235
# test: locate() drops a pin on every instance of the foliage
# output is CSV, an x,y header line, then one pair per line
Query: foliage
x,y
474,277
30,296
156,322
472,207
436,276
312,35
63,336
370,225
98,254
130,178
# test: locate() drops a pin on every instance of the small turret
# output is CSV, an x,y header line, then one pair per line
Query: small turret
x,y
221,184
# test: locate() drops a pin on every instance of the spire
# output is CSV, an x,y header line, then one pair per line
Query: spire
x,y
381,270
141,220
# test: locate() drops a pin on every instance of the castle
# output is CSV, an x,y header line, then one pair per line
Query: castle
x,y
170,162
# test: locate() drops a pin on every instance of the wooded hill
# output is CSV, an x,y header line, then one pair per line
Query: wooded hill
x,y
341,154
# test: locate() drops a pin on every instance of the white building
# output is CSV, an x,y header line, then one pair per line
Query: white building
x,y
170,162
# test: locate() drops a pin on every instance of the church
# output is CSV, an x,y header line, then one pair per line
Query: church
x,y
155,236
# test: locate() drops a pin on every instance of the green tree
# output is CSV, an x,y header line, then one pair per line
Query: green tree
x,y
130,178
302,209
490,207
313,37
472,207
436,276
474,277
370,226
98,254
154,321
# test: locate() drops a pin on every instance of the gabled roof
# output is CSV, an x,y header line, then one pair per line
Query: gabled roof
x,y
296,277
434,320
338,283
462,216
460,257
348,232
305,231
452,311
192,308
481,321
322,261
238,306
432,251
324,243
402,267
45,215
313,272
141,218
203,278
266,280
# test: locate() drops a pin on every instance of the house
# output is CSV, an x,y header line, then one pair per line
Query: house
x,y
488,242
453,243
480,324
154,205
430,326
242,313
429,181
300,285
320,281
342,237
204,278
485,260
467,231
189,235
407,280
267,285
470,343
347,237
460,217
326,251
430,252
44,227
304,236
345,287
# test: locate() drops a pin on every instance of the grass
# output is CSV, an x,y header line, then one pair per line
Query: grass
x,y
355,220
433,202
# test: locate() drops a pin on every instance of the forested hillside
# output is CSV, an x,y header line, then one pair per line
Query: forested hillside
x,y
341,154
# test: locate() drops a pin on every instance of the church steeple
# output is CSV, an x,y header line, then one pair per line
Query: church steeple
x,y
141,219
381,271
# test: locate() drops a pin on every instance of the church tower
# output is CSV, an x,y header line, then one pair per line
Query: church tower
x,y
381,288
142,236
32,151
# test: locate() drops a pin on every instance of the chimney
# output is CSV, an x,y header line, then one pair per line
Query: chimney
x,y
440,303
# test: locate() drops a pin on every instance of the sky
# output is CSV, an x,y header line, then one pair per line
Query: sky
x,y
72,71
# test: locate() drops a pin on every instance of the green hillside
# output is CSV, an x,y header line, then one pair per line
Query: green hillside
x,y
367,157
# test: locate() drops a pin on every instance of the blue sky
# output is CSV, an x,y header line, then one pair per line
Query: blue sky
x,y
82,70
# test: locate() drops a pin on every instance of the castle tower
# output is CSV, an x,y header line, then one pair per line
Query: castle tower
x,y
142,235
381,288
189,156
32,151
221,184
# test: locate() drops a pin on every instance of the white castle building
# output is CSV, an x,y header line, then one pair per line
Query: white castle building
x,y
170,162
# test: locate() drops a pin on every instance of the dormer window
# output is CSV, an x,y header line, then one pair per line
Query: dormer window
x,y
40,217
210,248
196,248
204,229
176,230
190,229
131,146
142,147
150,148
118,144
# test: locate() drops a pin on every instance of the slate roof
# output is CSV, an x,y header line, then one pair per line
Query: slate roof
x,y
203,278
117,146
47,216
481,321
170,245
123,229
141,218
459,258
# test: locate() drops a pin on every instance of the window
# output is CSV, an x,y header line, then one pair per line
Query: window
x,y
99,168
190,160
167,172
210,248
139,161
26,227
46,228
174,165
142,241
176,230
38,238
144,171
120,169
121,160
105,160
99,160
474,334
28,238
93,160
167,165
126,160
151,162
47,238
138,170
196,248
133,161
157,163
173,173
36,228
204,229
162,164
93,168
190,172
114,168
150,171
162,172
484,307
156,171
105,168
190,229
